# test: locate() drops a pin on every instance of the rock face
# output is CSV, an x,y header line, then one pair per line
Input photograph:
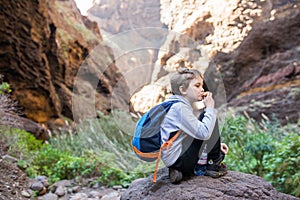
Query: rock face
x,y
267,68
247,50
235,185
138,24
43,45
121,15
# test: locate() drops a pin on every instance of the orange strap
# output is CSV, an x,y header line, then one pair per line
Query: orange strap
x,y
165,145
145,155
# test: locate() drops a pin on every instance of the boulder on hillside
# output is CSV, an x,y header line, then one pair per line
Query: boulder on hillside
x,y
235,185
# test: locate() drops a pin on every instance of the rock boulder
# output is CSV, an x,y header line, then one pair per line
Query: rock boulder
x,y
235,185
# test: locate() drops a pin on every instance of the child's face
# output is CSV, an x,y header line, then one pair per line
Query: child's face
x,y
195,90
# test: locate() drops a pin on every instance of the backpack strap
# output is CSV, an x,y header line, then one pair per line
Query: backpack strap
x,y
145,155
165,145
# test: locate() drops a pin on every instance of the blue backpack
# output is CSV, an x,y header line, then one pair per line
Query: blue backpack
x,y
146,141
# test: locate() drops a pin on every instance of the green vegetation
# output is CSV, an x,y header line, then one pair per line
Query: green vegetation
x,y
22,145
86,152
266,149
5,88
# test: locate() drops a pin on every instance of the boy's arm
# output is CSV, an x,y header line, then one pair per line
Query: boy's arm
x,y
190,124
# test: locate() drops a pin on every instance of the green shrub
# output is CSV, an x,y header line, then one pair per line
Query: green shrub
x,y
22,144
105,134
266,149
248,145
58,165
284,165
105,141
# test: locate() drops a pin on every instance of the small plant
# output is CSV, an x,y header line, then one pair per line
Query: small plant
x,y
5,88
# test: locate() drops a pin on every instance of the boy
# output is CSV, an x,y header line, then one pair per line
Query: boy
x,y
181,158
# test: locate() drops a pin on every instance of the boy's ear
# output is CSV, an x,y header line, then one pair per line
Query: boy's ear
x,y
182,90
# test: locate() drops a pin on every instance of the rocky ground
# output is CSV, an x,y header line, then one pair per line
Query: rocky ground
x,y
15,185
12,181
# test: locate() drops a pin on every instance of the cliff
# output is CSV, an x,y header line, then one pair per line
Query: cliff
x,y
128,24
43,47
247,50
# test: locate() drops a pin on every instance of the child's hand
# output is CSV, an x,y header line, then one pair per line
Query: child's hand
x,y
224,148
209,101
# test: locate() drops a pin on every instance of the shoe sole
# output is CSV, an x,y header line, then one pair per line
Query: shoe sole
x,y
175,176
214,174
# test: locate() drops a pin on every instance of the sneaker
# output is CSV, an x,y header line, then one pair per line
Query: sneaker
x,y
175,176
200,170
216,168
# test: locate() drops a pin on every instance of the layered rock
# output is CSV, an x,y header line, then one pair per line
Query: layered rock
x,y
121,15
43,45
235,185
267,68
135,28
247,50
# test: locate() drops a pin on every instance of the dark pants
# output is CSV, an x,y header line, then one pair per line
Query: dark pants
x,y
187,161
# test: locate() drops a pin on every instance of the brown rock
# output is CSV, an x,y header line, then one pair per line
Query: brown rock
x,y
121,15
60,191
138,24
37,186
50,196
234,185
248,51
43,44
265,66
26,124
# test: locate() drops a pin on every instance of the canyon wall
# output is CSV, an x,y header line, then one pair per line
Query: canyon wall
x,y
43,47
247,50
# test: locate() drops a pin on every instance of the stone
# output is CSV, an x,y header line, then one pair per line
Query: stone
x,y
76,189
94,194
25,193
60,191
49,196
62,183
117,187
234,185
43,180
37,186
111,196
79,196
43,191
9,158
